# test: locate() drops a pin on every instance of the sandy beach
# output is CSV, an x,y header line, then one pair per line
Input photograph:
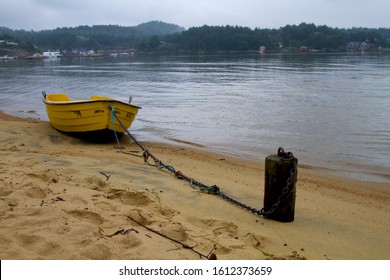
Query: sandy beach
x,y
65,198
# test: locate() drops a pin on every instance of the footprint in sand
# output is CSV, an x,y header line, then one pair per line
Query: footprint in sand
x,y
38,244
142,215
105,206
77,200
221,233
96,183
220,227
253,239
35,192
86,216
174,230
5,190
130,197
97,252
47,176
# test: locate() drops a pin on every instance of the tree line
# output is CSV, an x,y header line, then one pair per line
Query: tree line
x,y
162,37
236,38
97,37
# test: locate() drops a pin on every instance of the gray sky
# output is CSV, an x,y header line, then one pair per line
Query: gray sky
x,y
50,14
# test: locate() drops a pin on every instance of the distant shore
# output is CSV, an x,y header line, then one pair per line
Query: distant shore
x,y
23,55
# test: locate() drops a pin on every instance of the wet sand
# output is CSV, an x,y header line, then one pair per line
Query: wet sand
x,y
65,198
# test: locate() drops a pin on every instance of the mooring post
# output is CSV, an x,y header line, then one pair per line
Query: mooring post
x,y
279,187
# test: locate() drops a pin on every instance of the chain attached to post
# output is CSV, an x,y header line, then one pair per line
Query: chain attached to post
x,y
289,187
214,189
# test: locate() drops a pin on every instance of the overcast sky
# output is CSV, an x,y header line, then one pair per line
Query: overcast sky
x,y
50,14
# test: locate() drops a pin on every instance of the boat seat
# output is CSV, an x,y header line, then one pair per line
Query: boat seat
x,y
58,97
99,97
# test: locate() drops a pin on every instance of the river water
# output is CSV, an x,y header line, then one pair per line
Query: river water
x,y
330,110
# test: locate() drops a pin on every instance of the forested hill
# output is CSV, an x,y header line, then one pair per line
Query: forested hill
x,y
289,37
91,37
158,36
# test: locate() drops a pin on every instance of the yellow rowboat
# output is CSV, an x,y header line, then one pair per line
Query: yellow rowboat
x,y
90,115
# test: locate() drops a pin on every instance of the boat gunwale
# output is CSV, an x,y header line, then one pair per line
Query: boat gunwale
x,y
75,102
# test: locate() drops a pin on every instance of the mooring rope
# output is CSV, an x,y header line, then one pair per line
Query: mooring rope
x,y
214,189
113,116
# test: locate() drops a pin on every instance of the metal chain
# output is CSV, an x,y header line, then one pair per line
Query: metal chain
x,y
214,189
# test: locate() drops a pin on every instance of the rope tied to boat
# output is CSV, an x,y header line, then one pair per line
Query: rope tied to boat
x,y
214,189
146,153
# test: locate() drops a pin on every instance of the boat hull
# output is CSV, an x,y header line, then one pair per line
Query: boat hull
x,y
90,115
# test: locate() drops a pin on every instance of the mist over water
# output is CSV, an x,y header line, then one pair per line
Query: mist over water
x,y
331,110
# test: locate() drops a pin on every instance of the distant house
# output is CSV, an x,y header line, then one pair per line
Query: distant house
x,y
364,46
360,46
303,49
353,46
87,53
8,43
262,49
81,38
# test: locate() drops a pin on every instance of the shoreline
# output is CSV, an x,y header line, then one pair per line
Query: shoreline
x,y
56,203
355,171
359,172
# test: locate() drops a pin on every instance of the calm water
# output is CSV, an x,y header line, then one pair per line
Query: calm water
x,y
330,110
